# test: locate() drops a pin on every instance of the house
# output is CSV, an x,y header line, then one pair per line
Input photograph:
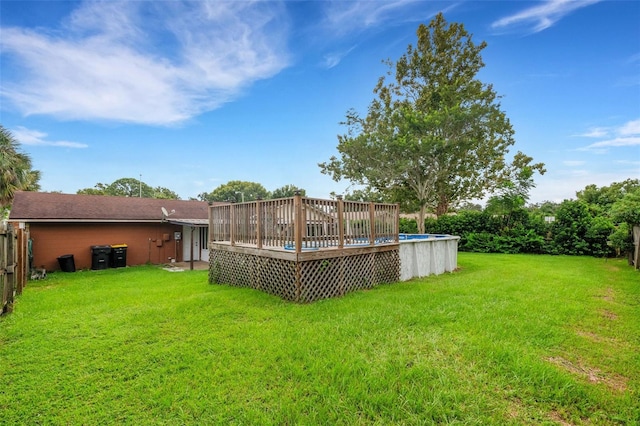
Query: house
x,y
153,230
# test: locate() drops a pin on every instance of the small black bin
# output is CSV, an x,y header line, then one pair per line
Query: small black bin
x,y
67,264
100,257
118,256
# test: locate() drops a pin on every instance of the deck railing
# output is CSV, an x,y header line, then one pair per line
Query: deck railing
x,y
299,223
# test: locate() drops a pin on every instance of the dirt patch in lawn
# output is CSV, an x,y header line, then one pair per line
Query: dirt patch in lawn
x,y
593,375
609,295
596,338
609,315
557,417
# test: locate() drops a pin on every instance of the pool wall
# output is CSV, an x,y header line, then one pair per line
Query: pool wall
x,y
423,255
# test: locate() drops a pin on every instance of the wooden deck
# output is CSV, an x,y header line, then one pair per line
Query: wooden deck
x,y
304,249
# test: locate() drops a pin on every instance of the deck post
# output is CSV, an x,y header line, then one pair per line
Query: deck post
x,y
232,224
297,221
372,224
259,222
396,231
340,222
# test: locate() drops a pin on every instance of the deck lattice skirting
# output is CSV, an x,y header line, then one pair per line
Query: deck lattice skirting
x,y
304,278
304,249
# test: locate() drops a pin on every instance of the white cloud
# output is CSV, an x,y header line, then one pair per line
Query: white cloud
x,y
144,62
343,17
595,132
616,142
543,16
34,137
625,135
333,59
629,162
630,128
354,17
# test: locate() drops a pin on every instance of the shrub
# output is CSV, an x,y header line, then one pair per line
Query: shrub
x,y
408,226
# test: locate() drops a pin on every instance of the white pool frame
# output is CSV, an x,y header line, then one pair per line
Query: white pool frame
x,y
430,255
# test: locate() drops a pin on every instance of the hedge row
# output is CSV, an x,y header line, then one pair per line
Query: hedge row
x,y
575,231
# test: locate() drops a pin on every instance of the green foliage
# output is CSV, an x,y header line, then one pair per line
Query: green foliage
x,y
408,226
434,135
237,191
580,228
598,232
576,231
286,191
16,173
463,223
622,239
570,227
627,208
544,209
164,193
513,191
603,198
469,206
367,195
129,187
506,340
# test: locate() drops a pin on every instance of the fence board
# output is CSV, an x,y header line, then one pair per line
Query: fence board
x,y
7,266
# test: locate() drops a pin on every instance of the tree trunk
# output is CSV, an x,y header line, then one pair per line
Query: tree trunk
x,y
443,206
421,215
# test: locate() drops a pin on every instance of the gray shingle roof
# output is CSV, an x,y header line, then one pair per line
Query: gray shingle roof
x,y
52,207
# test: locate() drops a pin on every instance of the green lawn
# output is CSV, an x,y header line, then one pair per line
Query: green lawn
x,y
508,339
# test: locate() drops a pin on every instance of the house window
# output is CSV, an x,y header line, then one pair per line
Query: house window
x,y
204,237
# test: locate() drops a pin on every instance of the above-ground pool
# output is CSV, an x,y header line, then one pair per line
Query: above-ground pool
x,y
403,237
427,254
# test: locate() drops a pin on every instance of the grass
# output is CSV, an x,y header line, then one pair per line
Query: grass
x,y
508,339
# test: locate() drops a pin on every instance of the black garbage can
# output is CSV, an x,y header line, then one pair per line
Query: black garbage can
x,y
67,264
118,255
100,257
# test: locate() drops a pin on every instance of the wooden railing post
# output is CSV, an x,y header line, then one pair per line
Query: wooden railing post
x,y
396,231
232,223
372,225
297,221
340,222
259,222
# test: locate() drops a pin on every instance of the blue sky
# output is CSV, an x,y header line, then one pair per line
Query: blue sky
x,y
191,95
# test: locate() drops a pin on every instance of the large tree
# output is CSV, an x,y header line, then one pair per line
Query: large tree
x,y
16,173
236,190
434,135
130,187
287,191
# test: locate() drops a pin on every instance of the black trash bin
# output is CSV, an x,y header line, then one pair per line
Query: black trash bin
x,y
100,257
67,264
118,255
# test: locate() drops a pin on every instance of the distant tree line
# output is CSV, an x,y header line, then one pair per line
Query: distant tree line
x,y
241,191
235,190
130,187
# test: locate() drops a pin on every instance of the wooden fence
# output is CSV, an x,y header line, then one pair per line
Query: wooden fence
x,y
636,248
13,263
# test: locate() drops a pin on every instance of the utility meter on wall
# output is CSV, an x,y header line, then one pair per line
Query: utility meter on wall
x,y
177,235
